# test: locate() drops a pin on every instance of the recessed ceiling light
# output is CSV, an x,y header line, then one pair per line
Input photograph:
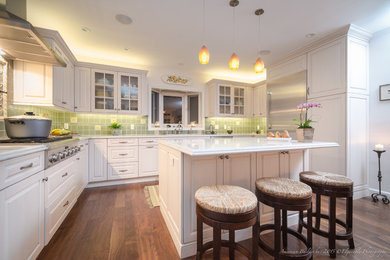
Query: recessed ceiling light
x,y
264,52
310,35
126,49
85,29
123,19
2,52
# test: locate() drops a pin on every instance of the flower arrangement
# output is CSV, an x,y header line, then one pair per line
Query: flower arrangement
x,y
303,121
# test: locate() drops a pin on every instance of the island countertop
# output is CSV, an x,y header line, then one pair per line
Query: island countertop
x,y
198,147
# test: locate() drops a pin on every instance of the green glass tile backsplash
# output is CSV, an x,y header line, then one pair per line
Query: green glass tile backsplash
x,y
84,123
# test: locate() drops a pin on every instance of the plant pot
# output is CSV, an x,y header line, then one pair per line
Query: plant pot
x,y
305,135
116,131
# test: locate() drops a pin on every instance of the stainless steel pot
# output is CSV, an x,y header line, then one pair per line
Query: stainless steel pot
x,y
27,126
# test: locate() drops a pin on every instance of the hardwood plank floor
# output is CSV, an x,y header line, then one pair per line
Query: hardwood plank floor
x,y
116,223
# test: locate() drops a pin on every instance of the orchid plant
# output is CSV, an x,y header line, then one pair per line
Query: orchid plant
x,y
303,121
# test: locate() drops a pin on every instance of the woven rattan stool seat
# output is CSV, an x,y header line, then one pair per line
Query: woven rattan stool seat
x,y
325,178
283,188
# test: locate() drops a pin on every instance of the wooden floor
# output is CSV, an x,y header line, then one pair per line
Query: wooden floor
x,y
116,223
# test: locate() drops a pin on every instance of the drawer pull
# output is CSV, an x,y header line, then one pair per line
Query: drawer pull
x,y
78,159
122,170
66,203
64,175
149,146
123,142
149,141
26,167
123,154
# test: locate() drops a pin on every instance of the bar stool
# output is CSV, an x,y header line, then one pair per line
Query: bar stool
x,y
334,186
225,207
284,194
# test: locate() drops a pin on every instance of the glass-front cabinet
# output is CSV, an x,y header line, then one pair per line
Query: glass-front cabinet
x,y
116,92
231,100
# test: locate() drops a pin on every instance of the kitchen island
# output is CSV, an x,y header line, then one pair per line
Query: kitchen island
x,y
187,164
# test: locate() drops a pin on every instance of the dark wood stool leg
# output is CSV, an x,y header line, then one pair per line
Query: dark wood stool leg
x,y
349,221
255,240
309,230
199,239
318,210
231,244
332,227
216,242
277,233
284,229
300,222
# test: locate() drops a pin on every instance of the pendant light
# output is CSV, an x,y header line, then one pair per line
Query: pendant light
x,y
234,62
204,54
259,65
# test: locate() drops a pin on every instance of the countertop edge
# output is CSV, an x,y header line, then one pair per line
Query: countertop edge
x,y
21,152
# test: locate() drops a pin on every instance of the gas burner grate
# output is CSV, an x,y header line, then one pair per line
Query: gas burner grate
x,y
36,140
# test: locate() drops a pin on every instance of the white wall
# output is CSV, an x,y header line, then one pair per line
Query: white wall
x,y
379,110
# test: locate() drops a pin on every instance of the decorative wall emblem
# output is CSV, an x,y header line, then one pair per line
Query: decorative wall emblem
x,y
177,80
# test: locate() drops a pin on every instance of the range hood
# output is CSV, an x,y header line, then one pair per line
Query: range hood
x,y
20,40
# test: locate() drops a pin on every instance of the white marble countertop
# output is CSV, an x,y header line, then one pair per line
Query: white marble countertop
x,y
206,146
9,151
169,136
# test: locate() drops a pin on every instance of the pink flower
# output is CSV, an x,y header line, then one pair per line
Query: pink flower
x,y
310,105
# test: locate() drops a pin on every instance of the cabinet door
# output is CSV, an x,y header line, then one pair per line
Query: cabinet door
x,y
104,91
224,100
68,90
239,101
97,160
22,219
33,83
260,101
327,69
237,170
129,93
82,97
148,160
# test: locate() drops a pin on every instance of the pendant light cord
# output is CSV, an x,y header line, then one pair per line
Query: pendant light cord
x,y
204,21
234,29
258,38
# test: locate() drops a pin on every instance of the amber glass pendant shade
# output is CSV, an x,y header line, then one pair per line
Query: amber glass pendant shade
x,y
204,55
234,62
259,65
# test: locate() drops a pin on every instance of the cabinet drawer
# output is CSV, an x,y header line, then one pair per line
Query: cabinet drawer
x,y
123,154
122,141
17,169
148,141
122,171
56,213
57,182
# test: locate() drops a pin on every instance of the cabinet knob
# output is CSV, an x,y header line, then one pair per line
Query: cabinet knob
x,y
221,157
75,107
45,179
63,102
227,157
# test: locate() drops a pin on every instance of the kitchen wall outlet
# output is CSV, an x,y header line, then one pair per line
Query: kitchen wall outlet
x,y
143,121
237,122
98,127
66,126
113,120
258,127
224,127
73,119
216,127
132,127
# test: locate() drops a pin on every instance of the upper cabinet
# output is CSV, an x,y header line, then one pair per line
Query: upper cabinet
x,y
119,91
82,87
229,99
260,101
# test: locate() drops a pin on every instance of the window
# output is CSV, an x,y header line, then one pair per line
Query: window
x,y
170,108
3,88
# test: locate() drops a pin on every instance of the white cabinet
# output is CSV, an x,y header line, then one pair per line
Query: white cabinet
x,y
97,149
114,91
81,176
33,83
229,99
22,219
63,85
82,88
327,69
260,101
148,160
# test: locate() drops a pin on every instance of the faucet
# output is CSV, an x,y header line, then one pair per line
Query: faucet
x,y
178,128
211,129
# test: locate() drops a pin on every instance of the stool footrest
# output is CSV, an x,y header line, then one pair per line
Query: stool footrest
x,y
225,243
339,236
301,256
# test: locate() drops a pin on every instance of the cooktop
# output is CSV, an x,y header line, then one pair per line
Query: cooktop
x,y
36,140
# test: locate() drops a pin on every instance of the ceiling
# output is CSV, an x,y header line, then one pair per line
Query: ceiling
x,y
168,34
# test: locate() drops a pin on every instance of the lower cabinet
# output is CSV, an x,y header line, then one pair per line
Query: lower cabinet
x,y
148,160
122,170
22,219
97,160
